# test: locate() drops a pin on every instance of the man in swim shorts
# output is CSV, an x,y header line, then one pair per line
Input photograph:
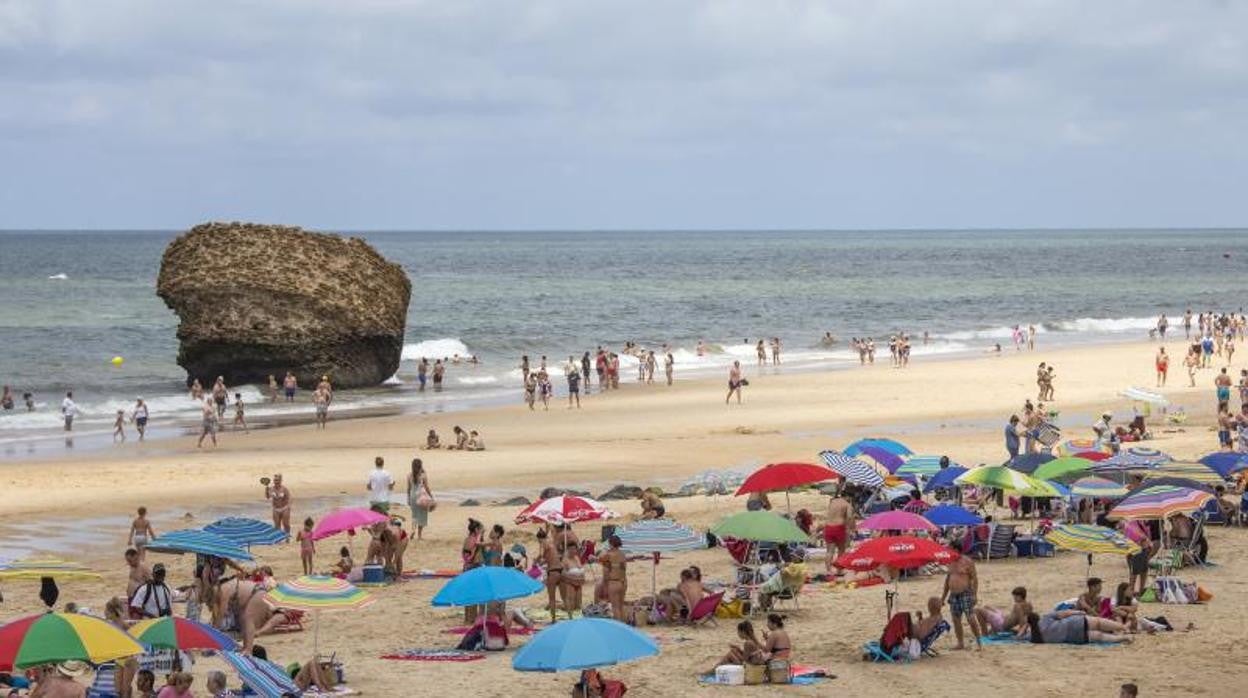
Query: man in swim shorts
x,y
838,529
961,588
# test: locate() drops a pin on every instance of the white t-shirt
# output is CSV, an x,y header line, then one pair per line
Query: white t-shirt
x,y
68,408
379,484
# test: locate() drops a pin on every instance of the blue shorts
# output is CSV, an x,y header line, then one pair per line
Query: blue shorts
x,y
962,603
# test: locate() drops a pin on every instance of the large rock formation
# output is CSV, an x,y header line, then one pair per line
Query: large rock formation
x,y
256,300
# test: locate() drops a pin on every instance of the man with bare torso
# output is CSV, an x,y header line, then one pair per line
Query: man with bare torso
x,y
139,573
279,496
961,588
838,529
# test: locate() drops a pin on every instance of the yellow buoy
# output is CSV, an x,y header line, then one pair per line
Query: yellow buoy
x,y
117,361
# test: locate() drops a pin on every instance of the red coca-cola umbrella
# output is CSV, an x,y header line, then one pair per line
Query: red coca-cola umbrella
x,y
564,509
897,552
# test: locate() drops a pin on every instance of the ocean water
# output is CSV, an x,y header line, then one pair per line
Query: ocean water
x,y
73,300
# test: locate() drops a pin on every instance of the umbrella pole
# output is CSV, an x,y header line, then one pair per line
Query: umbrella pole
x,y
787,506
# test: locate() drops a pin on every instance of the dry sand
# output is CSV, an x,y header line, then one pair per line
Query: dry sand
x,y
645,434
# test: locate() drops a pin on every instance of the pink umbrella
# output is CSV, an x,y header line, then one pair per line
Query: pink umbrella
x,y
897,521
340,520
564,509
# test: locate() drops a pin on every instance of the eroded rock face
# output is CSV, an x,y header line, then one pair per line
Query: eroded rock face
x,y
256,300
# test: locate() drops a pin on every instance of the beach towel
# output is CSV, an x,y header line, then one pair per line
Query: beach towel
x,y
433,655
339,690
1008,638
802,676
428,574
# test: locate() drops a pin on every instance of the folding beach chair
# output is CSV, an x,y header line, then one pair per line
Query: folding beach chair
x,y
704,611
896,631
1000,543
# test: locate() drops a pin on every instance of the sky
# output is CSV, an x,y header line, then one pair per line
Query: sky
x,y
639,114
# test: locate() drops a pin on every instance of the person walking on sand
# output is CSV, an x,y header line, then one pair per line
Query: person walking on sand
x,y
219,396
1163,365
119,427
419,497
544,387
141,533
139,417
208,423
279,499
1222,388
530,390
574,385
838,528
669,364
240,416
320,399
734,382
1191,363
961,589
379,486
1031,337
290,384
69,410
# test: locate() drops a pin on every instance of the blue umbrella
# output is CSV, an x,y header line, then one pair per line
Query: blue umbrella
x,y
1028,462
485,584
945,515
200,542
583,644
247,531
852,469
262,676
1063,490
885,458
892,446
943,480
1225,463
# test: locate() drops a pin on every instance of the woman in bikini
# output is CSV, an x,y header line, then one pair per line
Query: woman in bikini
x,y
615,577
473,554
141,532
553,563
750,651
776,642
492,555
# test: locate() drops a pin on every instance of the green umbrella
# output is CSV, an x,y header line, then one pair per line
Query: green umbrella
x,y
1002,478
1064,467
760,526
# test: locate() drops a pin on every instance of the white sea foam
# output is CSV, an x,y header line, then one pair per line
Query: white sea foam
x,y
476,380
1114,325
433,349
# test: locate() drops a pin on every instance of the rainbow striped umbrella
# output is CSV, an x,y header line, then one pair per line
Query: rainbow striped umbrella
x,y
51,638
1135,457
1160,502
1098,487
1198,472
38,568
1091,539
318,593
856,471
1075,446
180,634
924,466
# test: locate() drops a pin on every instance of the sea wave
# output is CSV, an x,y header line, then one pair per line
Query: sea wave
x,y
1115,325
433,349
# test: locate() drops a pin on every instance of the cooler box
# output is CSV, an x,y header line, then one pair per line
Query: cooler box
x,y
730,675
374,574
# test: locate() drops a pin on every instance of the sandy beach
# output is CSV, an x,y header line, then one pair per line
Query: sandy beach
x,y
658,434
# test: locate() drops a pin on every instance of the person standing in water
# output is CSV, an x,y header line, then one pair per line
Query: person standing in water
x,y
219,397
586,364
422,372
321,399
439,371
208,423
775,351
668,365
69,410
290,384
574,385
140,417
6,401
272,388
761,351
240,418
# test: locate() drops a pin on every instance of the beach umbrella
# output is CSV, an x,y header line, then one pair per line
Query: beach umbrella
x,y
340,520
1027,463
923,466
1094,456
897,552
583,644
1002,478
40,567
1064,467
1160,502
181,634
1225,463
1195,472
1074,447
760,526
200,542
1171,481
564,509
783,476
897,521
1149,396
854,470
267,679
51,638
1090,540
318,593
945,479
482,585
246,531
945,515
891,445
1135,457
1098,487
658,536
886,459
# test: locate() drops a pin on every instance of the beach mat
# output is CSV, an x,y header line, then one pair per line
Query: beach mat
x,y
428,574
803,675
433,655
1008,638
339,690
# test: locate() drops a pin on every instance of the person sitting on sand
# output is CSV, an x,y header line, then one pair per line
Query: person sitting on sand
x,y
475,442
1126,607
1091,602
651,505
315,673
690,587
432,440
776,642
178,686
58,681
934,617
750,651
461,440
345,564
993,620
1072,627
758,501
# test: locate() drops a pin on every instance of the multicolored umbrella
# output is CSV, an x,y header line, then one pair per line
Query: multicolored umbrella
x,y
1098,487
340,520
1064,467
200,542
897,552
1160,502
885,459
760,526
1094,456
583,644
1091,539
267,679
482,585
854,470
1197,472
40,567
924,466
318,593
1171,481
1027,463
1225,463
51,638
564,509
1136,457
945,479
783,476
659,536
897,521
891,445
1002,478
1074,447
181,634
246,531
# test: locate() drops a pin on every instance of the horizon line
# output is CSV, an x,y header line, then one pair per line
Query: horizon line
x,y
976,229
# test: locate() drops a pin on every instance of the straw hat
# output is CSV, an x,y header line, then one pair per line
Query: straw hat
x,y
73,669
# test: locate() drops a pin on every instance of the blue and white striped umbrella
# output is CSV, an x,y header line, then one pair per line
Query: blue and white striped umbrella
x,y
852,469
925,466
262,676
200,542
659,536
246,531
1134,457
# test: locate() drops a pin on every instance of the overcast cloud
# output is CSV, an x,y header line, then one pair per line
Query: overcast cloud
x,y
460,114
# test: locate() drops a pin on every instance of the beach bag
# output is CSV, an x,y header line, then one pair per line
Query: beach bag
x,y
1203,594
1170,590
731,609
1149,596
424,500
755,674
780,671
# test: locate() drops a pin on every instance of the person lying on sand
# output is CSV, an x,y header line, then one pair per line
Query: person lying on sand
x,y
1072,627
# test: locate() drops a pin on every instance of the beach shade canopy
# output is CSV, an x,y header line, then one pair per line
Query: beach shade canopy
x,y
184,634
564,509
200,542
925,466
945,515
1027,463
783,476
1195,472
1160,502
1098,487
1225,463
1003,478
852,469
760,526
891,445
318,593
945,479
886,459
1142,395
1066,467
659,536
267,679
583,644
40,567
897,520
340,520
51,638
1136,457
1091,539
897,552
246,531
482,585
1074,447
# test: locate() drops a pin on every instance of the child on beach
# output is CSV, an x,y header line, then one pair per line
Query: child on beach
x,y
239,418
141,532
119,426
345,564
307,547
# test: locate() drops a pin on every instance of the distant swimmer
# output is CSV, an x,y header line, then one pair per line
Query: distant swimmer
x,y
701,348
29,399
6,400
